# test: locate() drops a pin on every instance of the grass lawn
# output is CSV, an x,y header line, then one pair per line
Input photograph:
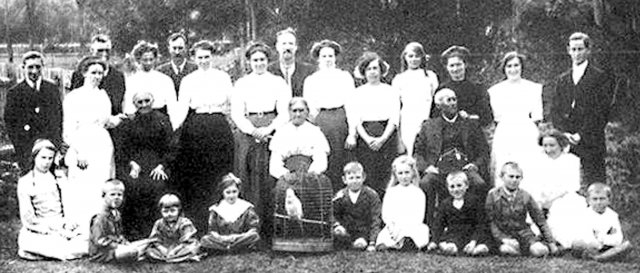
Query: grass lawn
x,y
340,261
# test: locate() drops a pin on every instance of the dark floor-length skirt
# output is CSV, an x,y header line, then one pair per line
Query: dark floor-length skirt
x,y
206,154
333,123
377,164
252,167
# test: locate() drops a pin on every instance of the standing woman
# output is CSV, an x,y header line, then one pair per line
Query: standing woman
x,y
517,108
206,141
87,114
328,92
377,114
416,85
259,106
473,100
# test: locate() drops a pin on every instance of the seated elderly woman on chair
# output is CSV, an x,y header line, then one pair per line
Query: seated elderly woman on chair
x,y
298,145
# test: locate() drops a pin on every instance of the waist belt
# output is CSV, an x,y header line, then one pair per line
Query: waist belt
x,y
260,114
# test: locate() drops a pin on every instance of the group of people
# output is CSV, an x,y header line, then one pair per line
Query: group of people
x,y
181,127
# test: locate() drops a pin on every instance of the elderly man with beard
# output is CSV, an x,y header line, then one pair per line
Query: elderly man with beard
x,y
179,65
292,71
447,143
147,79
33,109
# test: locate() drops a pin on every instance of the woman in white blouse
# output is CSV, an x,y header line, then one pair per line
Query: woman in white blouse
x,y
328,92
206,141
87,115
376,110
517,108
416,85
298,138
258,108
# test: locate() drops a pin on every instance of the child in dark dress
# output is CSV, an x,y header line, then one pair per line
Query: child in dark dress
x,y
461,223
233,222
175,234
357,211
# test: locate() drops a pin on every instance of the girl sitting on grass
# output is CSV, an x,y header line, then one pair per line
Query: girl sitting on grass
x,y
403,209
46,233
175,234
233,222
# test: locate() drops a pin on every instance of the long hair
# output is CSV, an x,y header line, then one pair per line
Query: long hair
x,y
417,49
406,160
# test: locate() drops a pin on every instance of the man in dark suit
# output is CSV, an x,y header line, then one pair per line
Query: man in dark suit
x,y
450,142
292,71
33,110
580,108
179,65
113,80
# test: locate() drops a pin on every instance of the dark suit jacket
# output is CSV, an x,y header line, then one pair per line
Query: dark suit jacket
x,y
590,112
297,79
167,69
112,83
428,147
31,114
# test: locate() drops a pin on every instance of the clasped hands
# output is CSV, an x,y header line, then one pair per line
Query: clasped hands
x,y
469,167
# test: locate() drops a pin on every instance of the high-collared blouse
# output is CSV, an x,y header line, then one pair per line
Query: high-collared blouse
x,y
290,140
329,88
263,93
204,91
376,103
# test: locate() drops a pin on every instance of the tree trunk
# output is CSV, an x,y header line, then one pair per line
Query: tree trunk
x,y
31,20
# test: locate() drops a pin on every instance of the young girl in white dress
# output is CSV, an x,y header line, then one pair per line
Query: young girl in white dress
x,y
517,108
46,232
403,209
553,182
416,85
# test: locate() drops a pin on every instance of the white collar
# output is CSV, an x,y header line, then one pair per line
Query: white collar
x,y
450,120
35,85
178,68
231,212
578,71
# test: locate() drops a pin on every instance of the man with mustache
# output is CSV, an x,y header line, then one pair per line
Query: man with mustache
x,y
293,72
179,66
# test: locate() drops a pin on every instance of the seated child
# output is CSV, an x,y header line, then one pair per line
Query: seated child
x,y
233,222
175,234
356,209
605,241
460,223
403,209
106,242
507,207
46,232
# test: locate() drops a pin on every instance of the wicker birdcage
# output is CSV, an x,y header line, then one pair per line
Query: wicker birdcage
x,y
303,210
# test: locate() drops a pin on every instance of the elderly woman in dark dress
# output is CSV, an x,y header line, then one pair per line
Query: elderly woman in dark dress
x,y
146,149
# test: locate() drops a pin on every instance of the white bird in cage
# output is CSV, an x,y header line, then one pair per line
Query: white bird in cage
x,y
292,205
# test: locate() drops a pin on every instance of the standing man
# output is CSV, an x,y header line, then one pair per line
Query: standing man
x,y
113,80
293,72
580,108
149,80
179,65
33,109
